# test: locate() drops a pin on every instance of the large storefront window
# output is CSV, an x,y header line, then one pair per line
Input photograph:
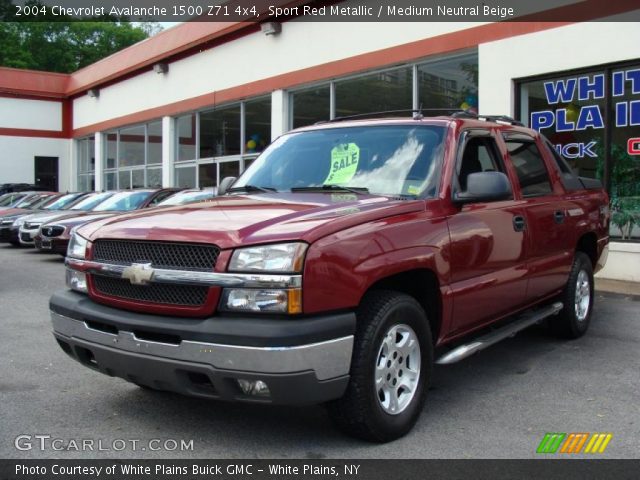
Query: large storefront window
x,y
185,176
257,125
380,92
186,141
220,132
86,164
133,157
310,106
449,83
592,118
444,83
220,142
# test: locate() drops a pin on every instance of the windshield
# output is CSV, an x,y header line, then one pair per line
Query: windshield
x,y
123,202
63,202
91,201
395,160
181,198
7,199
34,201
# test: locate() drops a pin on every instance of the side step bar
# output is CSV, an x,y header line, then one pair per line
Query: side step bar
x,y
480,343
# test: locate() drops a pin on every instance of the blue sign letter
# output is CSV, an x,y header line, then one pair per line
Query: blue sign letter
x,y
540,120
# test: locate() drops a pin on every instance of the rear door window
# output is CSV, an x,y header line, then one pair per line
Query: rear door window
x,y
529,165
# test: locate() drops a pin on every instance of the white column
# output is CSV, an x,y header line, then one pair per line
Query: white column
x,y
168,150
279,113
72,171
100,140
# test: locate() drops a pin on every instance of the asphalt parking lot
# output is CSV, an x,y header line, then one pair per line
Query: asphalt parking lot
x,y
497,404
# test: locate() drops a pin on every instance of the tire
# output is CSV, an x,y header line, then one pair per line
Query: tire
x,y
578,298
386,321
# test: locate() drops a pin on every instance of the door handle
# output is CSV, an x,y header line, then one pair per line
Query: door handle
x,y
558,216
519,223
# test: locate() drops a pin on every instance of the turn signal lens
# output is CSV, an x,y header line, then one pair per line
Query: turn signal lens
x,y
261,300
295,301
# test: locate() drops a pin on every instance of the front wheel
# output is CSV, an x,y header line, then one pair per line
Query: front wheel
x,y
577,297
390,370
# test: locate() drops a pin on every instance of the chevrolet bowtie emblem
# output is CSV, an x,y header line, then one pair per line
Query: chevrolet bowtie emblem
x,y
138,273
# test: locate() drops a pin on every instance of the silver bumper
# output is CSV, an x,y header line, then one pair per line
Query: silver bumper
x,y
328,359
24,234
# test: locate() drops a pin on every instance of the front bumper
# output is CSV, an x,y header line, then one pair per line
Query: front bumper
x,y
26,237
51,245
302,361
8,234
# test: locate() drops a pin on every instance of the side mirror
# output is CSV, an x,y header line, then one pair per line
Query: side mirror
x,y
225,184
485,187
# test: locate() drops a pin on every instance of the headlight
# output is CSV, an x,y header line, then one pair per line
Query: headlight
x,y
31,226
6,221
281,257
18,222
262,300
77,280
77,246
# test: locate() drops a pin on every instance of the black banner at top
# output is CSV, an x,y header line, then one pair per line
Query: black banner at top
x,y
319,11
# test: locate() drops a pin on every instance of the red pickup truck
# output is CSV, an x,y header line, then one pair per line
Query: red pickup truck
x,y
347,259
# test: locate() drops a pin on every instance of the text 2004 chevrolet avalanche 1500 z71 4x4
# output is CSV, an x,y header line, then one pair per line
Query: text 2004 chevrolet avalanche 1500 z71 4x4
x,y
345,260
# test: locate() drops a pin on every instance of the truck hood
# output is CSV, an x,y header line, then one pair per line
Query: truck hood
x,y
231,221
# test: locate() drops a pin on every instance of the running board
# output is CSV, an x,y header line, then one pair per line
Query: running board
x,y
480,343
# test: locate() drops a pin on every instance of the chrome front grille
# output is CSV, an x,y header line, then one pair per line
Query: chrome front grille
x,y
171,256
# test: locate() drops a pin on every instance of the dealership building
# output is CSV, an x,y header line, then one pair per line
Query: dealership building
x,y
199,101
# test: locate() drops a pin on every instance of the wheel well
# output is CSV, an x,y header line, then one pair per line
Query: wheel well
x,y
421,284
588,243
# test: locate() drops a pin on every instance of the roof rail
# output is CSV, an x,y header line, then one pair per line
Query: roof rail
x,y
418,114
505,119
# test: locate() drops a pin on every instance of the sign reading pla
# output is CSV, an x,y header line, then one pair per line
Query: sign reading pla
x,y
627,113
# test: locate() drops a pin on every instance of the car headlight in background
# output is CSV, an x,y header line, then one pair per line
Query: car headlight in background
x,y
18,222
280,257
77,246
6,221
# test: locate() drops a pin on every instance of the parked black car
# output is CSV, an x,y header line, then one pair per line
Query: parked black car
x,y
19,187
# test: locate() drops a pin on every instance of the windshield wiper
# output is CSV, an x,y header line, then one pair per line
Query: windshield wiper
x,y
332,188
252,188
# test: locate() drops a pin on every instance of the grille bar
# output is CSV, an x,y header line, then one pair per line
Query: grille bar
x,y
171,256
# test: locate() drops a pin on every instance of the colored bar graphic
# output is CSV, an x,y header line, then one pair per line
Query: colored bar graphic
x,y
582,441
574,442
598,443
551,442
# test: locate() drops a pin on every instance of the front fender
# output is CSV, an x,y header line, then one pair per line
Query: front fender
x,y
340,268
